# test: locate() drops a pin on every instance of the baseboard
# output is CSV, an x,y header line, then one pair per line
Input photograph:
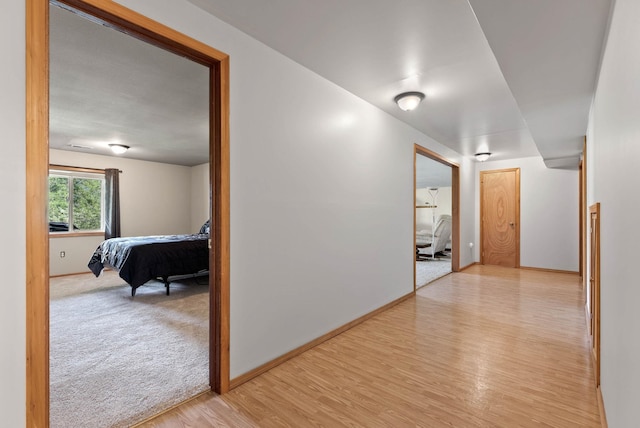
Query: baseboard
x,y
69,274
603,414
467,266
570,272
237,381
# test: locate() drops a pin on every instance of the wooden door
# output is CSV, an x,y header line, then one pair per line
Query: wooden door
x,y
500,217
594,286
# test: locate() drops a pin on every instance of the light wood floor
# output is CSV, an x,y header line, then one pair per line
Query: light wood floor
x,y
489,347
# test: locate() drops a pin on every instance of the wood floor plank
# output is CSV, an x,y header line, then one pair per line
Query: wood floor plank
x,y
486,347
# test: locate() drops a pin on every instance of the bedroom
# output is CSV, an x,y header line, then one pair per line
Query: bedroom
x,y
164,190
156,199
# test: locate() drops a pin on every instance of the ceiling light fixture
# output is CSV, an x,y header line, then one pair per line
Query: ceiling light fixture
x,y
118,148
481,157
407,101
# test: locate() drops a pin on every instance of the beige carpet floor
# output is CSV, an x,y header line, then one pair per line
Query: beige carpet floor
x,y
116,359
429,270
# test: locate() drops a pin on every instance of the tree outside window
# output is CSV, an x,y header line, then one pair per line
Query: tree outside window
x,y
75,200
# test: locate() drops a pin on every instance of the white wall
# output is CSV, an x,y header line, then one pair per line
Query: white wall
x,y
548,213
321,190
12,189
200,199
468,212
77,250
613,151
155,199
424,216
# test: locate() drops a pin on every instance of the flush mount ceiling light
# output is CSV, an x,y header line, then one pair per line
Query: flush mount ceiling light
x,y
481,157
118,148
408,100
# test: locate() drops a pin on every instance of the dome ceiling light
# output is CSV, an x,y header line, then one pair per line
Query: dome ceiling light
x,y
408,101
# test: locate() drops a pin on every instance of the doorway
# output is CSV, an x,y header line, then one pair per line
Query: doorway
x,y
436,216
500,217
37,165
164,119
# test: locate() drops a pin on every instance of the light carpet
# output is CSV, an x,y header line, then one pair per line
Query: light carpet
x,y
429,270
116,359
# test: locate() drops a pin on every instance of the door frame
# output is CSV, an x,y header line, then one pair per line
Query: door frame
x,y
37,167
455,207
482,231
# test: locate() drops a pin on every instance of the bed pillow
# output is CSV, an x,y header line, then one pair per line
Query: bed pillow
x,y
205,227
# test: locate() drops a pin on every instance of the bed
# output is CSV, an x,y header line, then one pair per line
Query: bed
x,y
143,258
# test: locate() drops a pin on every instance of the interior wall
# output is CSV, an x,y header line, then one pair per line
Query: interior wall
x,y
199,196
12,188
468,213
424,216
590,165
548,213
77,252
613,151
155,199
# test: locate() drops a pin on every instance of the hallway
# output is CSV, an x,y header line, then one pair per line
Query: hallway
x,y
489,346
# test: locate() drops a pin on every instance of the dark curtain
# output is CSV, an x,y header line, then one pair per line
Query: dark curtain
x,y
112,203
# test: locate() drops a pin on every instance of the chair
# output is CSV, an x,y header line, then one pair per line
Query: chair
x,y
436,241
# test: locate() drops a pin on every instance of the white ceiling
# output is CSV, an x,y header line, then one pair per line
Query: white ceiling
x,y
108,87
513,77
549,52
431,173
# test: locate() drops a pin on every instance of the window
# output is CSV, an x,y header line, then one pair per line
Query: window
x,y
76,198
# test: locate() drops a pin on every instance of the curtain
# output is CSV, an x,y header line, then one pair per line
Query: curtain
x,y
112,203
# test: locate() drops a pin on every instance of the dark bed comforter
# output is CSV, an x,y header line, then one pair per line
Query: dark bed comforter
x,y
142,258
